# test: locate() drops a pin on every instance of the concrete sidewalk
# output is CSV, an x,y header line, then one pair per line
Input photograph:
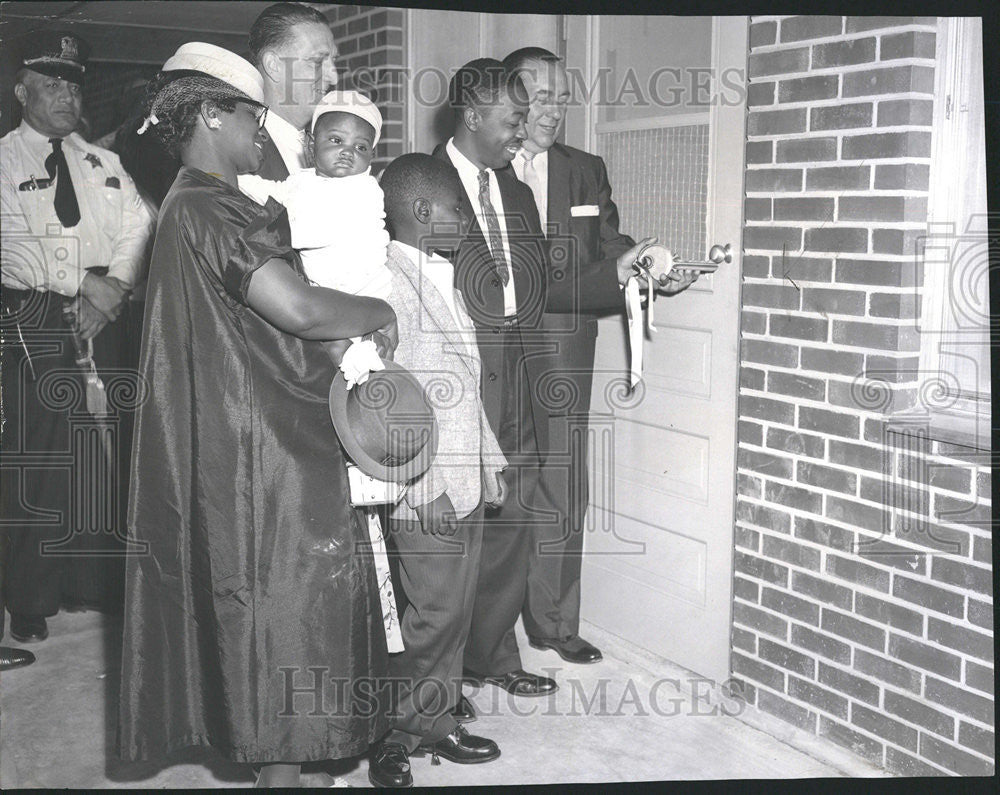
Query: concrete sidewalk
x,y
631,718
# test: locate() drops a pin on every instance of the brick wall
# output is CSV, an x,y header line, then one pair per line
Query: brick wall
x,y
371,41
863,579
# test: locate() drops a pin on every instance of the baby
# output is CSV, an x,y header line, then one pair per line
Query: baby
x,y
336,210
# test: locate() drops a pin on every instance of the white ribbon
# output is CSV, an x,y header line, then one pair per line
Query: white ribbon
x,y
633,309
149,120
360,360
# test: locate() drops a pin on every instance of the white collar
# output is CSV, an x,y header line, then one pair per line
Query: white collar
x,y
39,140
418,257
465,167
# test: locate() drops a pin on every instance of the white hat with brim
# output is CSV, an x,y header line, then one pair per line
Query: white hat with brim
x,y
199,56
350,102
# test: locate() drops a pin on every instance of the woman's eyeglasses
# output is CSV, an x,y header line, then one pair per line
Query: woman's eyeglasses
x,y
261,114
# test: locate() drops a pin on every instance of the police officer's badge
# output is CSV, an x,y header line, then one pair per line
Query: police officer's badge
x,y
94,160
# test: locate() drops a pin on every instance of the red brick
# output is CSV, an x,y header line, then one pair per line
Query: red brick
x,y
817,696
843,53
853,630
856,455
790,552
838,239
826,477
919,713
902,176
912,143
793,497
773,179
828,361
749,377
887,671
928,596
771,296
925,657
806,89
780,62
911,112
892,368
746,538
760,94
902,306
795,443
895,494
763,33
748,486
854,686
792,384
928,535
885,553
826,534
832,422
802,269
740,690
979,676
822,589
772,238
802,328
874,335
982,551
759,152
776,122
756,265
882,208
906,765
747,590
757,210
810,27
765,463
856,514
357,25
884,726
950,757
804,209
767,352
821,644
911,44
786,658
808,150
890,614
892,80
838,178
963,575
950,509
859,24
898,241
742,639
967,641
768,409
759,620
841,117
876,272
977,739
959,700
860,744
857,572
787,711
756,670
983,485
790,606
761,569
936,474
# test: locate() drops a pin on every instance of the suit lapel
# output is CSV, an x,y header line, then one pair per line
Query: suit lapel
x,y
429,296
559,199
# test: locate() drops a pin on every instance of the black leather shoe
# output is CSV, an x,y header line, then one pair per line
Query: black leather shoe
x,y
464,712
574,650
518,682
28,629
462,748
389,766
14,658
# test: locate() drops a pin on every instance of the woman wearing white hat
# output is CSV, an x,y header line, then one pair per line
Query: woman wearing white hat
x,y
252,620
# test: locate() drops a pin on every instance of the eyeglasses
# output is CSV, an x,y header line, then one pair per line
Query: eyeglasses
x,y
261,116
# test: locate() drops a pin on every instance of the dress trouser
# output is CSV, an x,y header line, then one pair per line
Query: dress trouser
x,y
437,579
54,485
507,532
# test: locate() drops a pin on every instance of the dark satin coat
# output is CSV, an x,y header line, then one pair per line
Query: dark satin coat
x,y
252,622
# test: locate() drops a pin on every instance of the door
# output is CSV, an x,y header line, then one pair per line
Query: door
x,y
658,564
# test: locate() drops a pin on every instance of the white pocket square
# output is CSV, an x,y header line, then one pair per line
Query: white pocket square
x,y
584,209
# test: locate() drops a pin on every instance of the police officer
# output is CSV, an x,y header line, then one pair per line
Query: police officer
x,y
73,241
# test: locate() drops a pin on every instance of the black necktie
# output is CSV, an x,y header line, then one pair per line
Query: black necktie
x,y
493,227
66,207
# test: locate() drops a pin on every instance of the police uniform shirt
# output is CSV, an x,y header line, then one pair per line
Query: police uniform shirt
x,y
38,253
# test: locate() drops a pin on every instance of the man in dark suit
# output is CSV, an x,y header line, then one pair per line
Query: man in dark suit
x,y
503,270
573,198
293,48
